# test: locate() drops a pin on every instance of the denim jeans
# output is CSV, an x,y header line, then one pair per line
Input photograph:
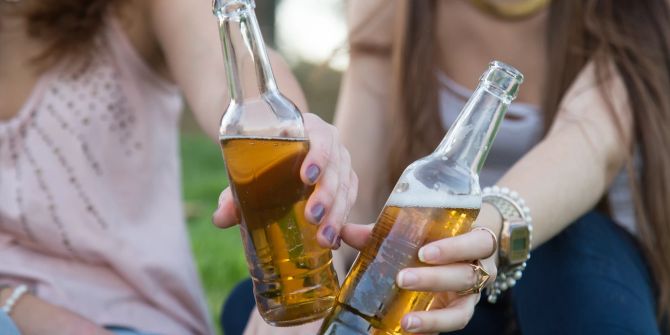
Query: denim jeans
x,y
7,326
590,279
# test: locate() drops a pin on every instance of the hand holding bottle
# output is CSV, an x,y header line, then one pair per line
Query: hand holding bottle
x,y
328,167
427,225
448,272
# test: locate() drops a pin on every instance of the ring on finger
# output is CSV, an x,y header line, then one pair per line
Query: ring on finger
x,y
481,278
493,235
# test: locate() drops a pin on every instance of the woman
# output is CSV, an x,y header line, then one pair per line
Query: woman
x,y
585,140
584,146
91,221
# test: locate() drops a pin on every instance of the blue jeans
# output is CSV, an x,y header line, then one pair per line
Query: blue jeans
x,y
590,279
7,326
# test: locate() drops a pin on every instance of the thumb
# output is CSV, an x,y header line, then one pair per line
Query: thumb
x,y
225,215
356,235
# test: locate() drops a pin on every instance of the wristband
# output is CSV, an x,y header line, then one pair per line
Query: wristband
x,y
17,293
515,239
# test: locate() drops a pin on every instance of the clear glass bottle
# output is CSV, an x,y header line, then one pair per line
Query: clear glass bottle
x,y
264,144
437,196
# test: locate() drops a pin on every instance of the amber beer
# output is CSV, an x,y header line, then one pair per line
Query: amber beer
x,y
377,305
264,143
293,275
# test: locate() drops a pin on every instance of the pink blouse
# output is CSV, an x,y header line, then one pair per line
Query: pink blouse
x,y
90,195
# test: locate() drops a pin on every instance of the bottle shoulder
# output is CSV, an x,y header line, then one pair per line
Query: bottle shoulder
x,y
437,182
268,115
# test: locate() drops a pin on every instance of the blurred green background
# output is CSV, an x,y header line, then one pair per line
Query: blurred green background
x,y
219,254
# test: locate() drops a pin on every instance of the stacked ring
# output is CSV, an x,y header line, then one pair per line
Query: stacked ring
x,y
482,277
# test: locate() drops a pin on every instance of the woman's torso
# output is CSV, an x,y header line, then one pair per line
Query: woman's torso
x,y
520,131
89,179
468,39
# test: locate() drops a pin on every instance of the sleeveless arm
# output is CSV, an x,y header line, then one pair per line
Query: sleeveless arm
x,y
363,118
585,148
187,34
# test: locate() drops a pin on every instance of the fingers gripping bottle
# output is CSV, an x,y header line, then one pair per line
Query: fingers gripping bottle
x,y
437,196
264,144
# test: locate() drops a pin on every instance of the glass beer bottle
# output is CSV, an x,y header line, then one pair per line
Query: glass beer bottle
x,y
437,196
264,144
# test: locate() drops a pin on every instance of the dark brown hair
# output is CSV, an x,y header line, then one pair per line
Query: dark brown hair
x,y
632,35
67,27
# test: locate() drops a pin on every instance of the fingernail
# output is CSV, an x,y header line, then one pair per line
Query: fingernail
x,y
338,242
407,278
313,172
411,323
428,253
329,234
317,212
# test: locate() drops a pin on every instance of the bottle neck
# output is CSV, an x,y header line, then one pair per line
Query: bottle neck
x,y
471,136
248,67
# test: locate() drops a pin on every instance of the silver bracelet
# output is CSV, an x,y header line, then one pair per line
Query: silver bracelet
x,y
515,239
17,293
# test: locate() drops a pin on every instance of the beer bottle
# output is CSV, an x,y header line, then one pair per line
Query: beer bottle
x,y
264,144
437,196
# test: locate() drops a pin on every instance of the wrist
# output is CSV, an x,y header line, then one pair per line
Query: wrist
x,y
490,218
5,292
515,237
10,296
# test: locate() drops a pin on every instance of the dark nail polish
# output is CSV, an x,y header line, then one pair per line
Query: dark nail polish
x,y
313,172
317,212
329,234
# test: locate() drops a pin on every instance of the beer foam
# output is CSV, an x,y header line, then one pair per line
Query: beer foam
x,y
418,195
262,138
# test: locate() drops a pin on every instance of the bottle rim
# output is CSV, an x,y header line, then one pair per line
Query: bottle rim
x,y
510,70
231,8
502,80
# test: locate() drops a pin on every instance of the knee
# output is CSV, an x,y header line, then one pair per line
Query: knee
x,y
589,277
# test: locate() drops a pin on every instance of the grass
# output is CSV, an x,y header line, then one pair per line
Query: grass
x,y
219,253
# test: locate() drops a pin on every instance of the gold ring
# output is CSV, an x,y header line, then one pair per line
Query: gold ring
x,y
482,277
495,238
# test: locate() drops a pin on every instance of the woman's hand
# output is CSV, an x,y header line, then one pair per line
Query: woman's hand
x,y
328,167
449,272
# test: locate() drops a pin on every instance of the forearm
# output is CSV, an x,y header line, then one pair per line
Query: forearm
x,y
188,36
34,316
560,180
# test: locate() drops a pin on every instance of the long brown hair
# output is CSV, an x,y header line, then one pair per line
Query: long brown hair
x,y
67,27
633,35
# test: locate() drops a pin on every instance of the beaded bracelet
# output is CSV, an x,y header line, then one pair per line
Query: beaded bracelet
x,y
17,293
515,239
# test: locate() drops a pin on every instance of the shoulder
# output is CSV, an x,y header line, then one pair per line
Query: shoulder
x,y
371,23
135,20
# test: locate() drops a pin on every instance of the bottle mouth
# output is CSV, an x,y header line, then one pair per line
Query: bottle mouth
x,y
503,79
230,8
